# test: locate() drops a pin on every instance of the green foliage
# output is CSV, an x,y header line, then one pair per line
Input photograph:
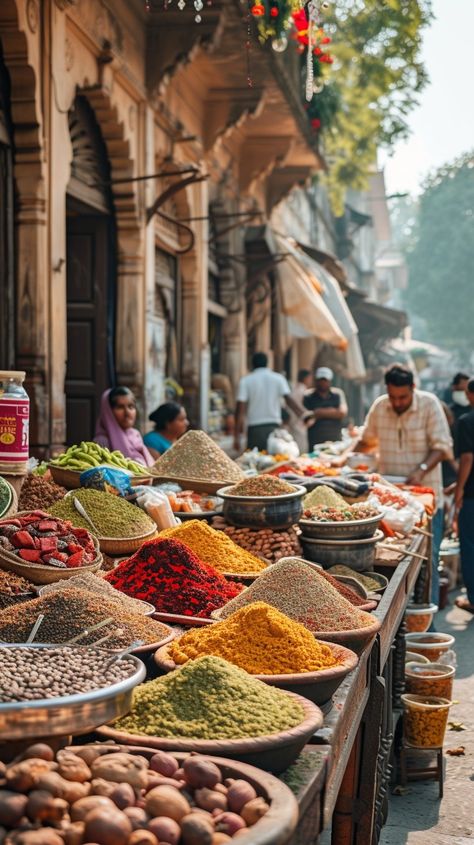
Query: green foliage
x,y
378,74
441,261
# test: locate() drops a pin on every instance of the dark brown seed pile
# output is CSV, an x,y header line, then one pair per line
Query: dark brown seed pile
x,y
29,674
13,587
39,494
69,612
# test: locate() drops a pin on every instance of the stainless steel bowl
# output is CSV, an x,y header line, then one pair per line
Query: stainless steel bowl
x,y
71,714
275,512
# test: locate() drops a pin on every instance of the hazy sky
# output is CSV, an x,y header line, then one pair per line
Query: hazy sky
x,y
442,127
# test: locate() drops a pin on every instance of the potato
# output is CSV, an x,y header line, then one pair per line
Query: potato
x,y
122,795
23,776
99,786
166,801
40,751
138,818
209,799
89,753
220,839
12,807
43,807
254,810
122,768
84,806
72,767
73,834
240,792
200,772
229,823
44,836
142,837
196,830
107,827
164,764
61,788
165,829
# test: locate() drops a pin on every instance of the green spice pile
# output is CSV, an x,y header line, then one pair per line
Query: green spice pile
x,y
209,698
5,496
12,587
113,516
366,581
323,495
95,584
262,485
303,594
39,494
195,455
70,612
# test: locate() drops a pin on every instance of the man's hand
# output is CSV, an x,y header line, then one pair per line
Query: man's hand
x,y
237,443
416,477
458,499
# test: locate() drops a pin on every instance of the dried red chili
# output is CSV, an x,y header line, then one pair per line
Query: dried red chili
x,y
170,576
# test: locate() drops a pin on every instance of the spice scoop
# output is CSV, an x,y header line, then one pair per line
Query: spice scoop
x,y
81,509
123,653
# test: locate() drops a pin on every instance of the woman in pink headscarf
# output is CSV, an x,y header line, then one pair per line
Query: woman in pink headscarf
x,y
115,426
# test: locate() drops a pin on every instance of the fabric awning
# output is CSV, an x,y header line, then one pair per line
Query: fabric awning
x,y
302,300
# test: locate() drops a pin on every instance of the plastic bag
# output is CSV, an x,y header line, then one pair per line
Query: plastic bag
x,y
115,481
281,442
157,506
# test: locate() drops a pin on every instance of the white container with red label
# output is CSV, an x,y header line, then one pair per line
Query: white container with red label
x,y
14,423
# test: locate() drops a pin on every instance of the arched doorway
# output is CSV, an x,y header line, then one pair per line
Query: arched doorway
x,y
91,274
7,273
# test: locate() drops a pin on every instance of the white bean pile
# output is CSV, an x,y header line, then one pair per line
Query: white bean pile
x,y
30,674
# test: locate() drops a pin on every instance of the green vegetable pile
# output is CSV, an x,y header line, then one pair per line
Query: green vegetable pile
x,y
113,516
5,496
209,698
90,454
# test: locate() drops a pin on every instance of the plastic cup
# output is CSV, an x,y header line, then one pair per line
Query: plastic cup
x,y
425,719
429,679
413,657
419,617
430,645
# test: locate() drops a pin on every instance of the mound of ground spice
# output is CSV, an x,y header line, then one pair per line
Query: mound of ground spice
x,y
262,485
170,576
195,455
259,639
208,698
215,548
112,515
299,591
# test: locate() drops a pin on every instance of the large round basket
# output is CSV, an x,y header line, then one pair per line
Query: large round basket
x,y
356,639
70,478
318,687
354,529
70,714
272,752
41,573
124,545
275,828
12,504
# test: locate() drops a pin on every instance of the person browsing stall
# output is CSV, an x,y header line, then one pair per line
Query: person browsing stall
x,y
171,423
464,499
329,407
115,426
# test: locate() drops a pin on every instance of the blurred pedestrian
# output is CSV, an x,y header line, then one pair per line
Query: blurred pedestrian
x,y
171,423
115,426
297,425
259,404
464,499
329,407
458,405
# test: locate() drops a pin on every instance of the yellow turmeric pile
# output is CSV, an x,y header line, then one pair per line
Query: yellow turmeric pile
x,y
215,548
259,639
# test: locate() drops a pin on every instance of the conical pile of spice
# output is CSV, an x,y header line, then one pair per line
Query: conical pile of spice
x,y
170,576
195,455
215,548
208,698
71,612
299,591
113,516
259,639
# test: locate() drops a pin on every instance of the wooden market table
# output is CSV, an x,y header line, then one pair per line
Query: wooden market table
x,y
341,780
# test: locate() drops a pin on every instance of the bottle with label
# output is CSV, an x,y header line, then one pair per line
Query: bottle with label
x,y
14,423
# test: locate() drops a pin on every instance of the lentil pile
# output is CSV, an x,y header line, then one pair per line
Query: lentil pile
x,y
29,674
95,584
348,513
366,581
260,640
323,495
262,485
215,548
195,455
37,492
13,587
168,574
5,496
69,613
300,592
112,515
263,542
208,698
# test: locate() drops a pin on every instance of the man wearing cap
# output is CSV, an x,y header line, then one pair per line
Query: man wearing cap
x,y
329,407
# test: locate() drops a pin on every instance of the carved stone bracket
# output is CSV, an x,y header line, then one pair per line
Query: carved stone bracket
x,y
64,4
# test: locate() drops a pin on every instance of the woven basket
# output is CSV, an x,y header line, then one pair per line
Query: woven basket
x,y
125,545
70,478
41,573
13,506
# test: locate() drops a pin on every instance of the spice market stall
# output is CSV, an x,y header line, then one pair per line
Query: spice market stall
x,y
208,608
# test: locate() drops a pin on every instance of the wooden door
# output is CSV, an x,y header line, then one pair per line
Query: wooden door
x,y
89,313
7,281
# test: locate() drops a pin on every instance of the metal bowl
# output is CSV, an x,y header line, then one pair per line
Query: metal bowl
x,y
351,529
70,714
275,512
358,554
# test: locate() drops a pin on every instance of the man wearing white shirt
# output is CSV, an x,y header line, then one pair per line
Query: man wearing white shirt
x,y
259,402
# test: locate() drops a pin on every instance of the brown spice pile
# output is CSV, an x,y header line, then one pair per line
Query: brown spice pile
x,y
262,542
195,455
262,485
12,587
38,494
